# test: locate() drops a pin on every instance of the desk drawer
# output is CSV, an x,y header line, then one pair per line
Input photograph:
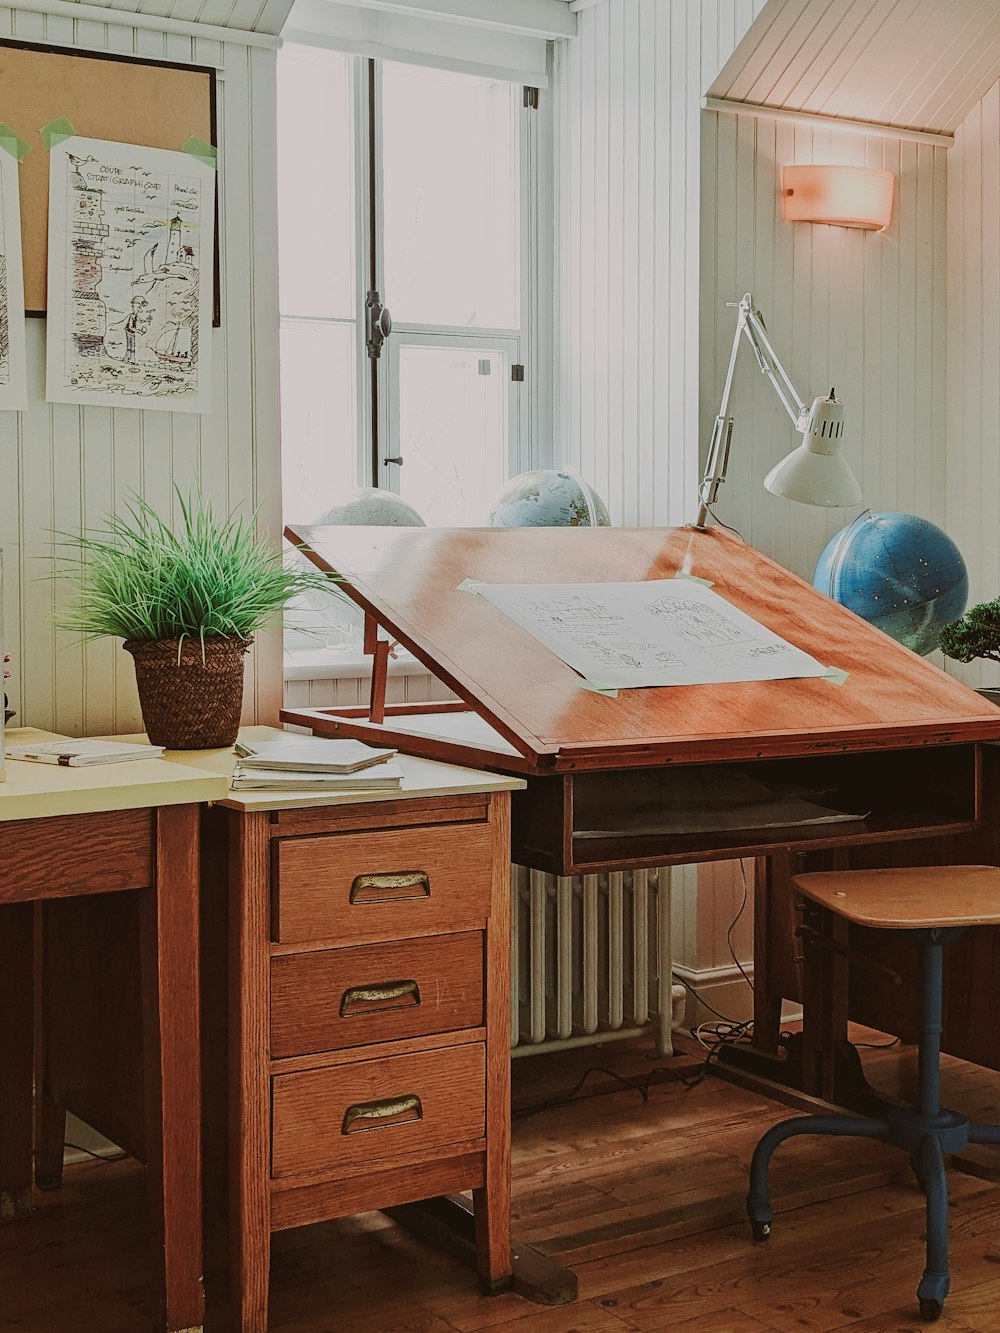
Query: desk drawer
x,y
360,887
346,1115
375,992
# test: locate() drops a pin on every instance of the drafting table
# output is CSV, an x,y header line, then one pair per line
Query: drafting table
x,y
903,741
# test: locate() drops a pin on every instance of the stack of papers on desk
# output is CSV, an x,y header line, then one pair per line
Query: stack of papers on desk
x,y
83,753
311,763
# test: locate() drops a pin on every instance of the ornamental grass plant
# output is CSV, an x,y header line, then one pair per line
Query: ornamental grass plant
x,y
186,600
212,578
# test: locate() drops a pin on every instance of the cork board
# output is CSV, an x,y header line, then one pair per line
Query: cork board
x,y
104,97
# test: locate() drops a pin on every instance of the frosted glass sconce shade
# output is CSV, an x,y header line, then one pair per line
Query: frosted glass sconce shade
x,y
842,196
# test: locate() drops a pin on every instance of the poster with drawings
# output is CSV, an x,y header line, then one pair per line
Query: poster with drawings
x,y
129,277
652,633
13,371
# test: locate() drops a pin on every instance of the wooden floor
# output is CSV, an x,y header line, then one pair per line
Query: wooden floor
x,y
643,1200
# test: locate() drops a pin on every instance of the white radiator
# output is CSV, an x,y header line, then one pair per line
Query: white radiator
x,y
592,958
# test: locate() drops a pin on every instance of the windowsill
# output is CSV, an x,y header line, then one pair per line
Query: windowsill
x,y
344,664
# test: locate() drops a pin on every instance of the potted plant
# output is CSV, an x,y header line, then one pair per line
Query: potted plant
x,y
977,634
187,604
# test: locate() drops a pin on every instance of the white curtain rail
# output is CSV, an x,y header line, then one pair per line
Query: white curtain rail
x,y
577,5
127,19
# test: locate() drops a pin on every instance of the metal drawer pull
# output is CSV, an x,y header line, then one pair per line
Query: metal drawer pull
x,y
381,1114
389,888
379,996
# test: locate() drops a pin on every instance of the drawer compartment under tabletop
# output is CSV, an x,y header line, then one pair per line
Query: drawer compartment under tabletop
x,y
337,998
387,884
345,1115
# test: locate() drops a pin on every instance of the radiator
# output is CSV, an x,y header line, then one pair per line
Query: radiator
x,y
591,958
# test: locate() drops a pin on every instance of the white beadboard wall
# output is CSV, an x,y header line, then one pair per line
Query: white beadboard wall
x,y
628,162
63,468
627,152
973,363
865,312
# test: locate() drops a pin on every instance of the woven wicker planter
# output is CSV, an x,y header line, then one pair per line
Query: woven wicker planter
x,y
190,703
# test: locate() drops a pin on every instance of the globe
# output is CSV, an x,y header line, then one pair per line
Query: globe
x,y
370,507
898,572
548,498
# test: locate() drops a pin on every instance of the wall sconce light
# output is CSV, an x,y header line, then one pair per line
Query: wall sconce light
x,y
842,196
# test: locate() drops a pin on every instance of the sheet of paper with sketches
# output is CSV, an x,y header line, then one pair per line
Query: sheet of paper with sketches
x,y
692,800
658,632
130,277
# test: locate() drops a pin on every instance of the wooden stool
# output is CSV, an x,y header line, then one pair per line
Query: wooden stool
x,y
936,904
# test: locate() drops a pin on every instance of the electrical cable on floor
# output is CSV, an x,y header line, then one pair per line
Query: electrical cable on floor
x,y
640,1085
100,1156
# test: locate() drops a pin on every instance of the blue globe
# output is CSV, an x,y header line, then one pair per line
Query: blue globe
x,y
898,572
548,498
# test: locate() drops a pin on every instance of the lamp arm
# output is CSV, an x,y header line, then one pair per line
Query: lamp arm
x,y
749,325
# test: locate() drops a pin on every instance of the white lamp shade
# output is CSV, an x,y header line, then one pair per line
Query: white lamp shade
x,y
814,479
817,473
842,196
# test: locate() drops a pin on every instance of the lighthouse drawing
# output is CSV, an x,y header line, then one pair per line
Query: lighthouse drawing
x,y
132,229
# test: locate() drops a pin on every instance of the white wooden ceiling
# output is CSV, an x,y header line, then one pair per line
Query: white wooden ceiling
x,y
915,64
535,18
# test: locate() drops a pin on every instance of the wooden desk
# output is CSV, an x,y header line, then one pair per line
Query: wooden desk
x,y
72,836
367,945
898,735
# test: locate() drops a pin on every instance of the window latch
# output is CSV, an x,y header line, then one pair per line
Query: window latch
x,y
378,325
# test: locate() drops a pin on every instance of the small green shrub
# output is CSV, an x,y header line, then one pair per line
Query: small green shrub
x,y
210,579
977,634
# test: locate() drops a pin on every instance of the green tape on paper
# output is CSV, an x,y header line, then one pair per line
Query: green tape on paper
x,y
203,151
471,585
606,690
11,142
56,131
693,578
837,674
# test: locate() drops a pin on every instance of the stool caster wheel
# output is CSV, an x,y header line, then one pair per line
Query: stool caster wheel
x,y
760,1230
930,1311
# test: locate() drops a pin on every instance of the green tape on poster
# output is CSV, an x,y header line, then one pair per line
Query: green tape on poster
x,y
203,151
11,142
56,131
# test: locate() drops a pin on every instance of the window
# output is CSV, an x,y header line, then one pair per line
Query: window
x,y
411,183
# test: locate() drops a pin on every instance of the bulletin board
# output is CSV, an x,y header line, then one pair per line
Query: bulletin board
x,y
104,97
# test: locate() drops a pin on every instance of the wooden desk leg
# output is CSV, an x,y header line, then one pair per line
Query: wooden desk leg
x,y
168,926
249,1038
492,1201
16,1057
766,1002
50,1116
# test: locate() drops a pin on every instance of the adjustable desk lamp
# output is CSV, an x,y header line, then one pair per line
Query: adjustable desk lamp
x,y
816,472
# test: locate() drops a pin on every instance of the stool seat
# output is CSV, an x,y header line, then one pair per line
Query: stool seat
x,y
913,898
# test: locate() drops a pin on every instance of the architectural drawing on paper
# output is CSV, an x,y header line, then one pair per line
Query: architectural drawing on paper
x,y
703,625
130,250
650,633
570,611
13,371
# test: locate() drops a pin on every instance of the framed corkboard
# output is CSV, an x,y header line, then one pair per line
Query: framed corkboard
x,y
104,97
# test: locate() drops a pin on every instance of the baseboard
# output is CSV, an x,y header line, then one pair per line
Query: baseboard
x,y
727,990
